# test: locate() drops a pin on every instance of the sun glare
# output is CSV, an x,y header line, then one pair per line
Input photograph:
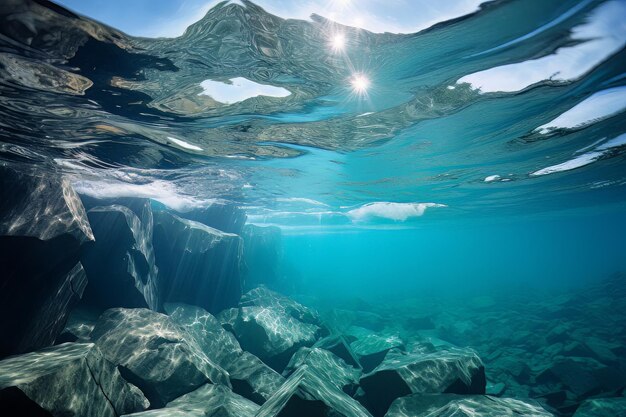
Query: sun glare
x,y
360,83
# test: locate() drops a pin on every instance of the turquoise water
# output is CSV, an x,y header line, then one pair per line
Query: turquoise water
x,y
454,186
480,256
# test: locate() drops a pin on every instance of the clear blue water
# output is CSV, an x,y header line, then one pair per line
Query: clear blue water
x,y
481,256
482,156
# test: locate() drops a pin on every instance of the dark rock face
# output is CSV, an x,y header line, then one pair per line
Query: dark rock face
x,y
449,405
79,326
306,393
262,253
583,377
72,379
197,264
272,335
207,401
330,367
249,376
43,228
120,265
154,353
457,371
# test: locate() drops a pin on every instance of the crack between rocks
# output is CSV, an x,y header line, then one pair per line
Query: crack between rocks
x,y
100,387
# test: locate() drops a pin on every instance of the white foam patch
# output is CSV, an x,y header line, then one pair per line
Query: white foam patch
x,y
391,211
579,161
492,178
584,159
600,37
599,106
613,143
161,191
184,144
239,89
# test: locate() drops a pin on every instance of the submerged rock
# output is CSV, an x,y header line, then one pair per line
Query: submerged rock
x,y
328,366
581,376
218,344
120,265
79,326
197,264
339,346
43,228
41,205
264,297
457,371
207,401
306,393
249,376
154,353
272,335
602,407
253,379
450,405
371,348
72,379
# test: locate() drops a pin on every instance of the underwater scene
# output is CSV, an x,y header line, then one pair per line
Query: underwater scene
x,y
315,208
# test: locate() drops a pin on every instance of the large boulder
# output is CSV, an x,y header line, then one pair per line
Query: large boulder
x,y
272,335
253,379
450,405
328,366
340,347
263,254
120,265
371,348
154,353
197,264
218,344
43,228
306,393
207,401
264,297
602,407
72,379
458,371
249,376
